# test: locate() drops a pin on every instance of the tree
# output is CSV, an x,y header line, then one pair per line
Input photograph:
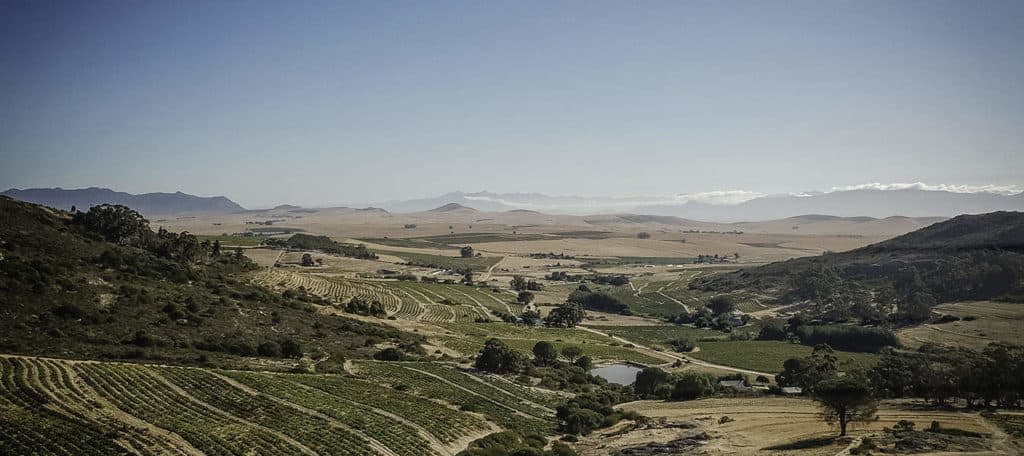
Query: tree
x,y
530,317
216,248
565,316
571,352
643,235
116,223
291,349
466,252
498,358
721,304
270,349
307,260
518,283
845,400
919,302
584,362
388,354
693,385
702,318
578,421
648,380
544,353
599,301
893,375
809,371
524,297
772,331
364,306
886,299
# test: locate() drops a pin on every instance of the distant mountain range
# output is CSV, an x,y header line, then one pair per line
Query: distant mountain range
x,y
848,203
146,203
842,203
851,203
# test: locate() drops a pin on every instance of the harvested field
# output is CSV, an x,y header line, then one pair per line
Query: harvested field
x,y
981,323
773,425
264,257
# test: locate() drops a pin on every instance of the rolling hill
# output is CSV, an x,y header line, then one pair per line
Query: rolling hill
x,y
146,203
106,287
966,257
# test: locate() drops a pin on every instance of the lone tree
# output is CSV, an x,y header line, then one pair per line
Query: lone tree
x,y
544,353
643,235
307,259
845,400
466,252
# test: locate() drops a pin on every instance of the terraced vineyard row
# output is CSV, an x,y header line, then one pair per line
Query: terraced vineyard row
x,y
480,386
154,400
444,383
402,300
96,408
35,422
336,289
446,424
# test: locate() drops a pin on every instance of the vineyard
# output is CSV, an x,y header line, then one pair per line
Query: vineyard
x,y
669,298
469,338
402,300
96,408
499,402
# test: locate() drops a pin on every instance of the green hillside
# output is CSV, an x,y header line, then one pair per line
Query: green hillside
x,y
102,285
965,258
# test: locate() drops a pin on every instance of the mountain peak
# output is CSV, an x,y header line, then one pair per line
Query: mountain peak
x,y
450,207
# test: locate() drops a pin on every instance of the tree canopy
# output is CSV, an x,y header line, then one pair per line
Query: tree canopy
x,y
499,358
846,399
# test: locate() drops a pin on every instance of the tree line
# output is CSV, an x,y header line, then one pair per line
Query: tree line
x,y
324,244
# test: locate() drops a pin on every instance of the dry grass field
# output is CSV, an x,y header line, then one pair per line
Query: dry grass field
x,y
263,256
775,425
981,323
596,236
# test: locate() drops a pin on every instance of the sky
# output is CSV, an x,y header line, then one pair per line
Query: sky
x,y
316,103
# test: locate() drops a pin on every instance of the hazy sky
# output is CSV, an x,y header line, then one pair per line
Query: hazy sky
x,y
320,102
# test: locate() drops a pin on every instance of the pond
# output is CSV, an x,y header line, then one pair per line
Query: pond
x,y
622,374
